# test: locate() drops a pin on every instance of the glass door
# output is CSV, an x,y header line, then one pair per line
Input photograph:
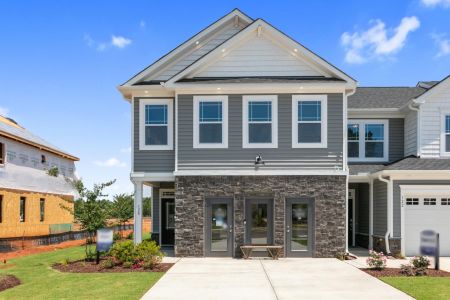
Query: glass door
x,y
219,227
259,222
299,227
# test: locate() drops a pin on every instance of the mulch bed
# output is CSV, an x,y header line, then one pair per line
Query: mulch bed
x,y
394,272
82,266
8,281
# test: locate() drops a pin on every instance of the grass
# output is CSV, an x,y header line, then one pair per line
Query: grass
x,y
422,288
40,281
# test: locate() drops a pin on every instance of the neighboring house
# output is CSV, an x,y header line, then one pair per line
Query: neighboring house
x,y
30,198
242,134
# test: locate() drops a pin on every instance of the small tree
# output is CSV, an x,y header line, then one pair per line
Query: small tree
x,y
147,207
122,208
89,211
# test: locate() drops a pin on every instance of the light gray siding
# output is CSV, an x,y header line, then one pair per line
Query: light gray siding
x,y
283,157
411,133
150,160
397,198
379,208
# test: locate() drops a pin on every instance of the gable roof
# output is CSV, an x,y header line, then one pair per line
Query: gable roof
x,y
433,88
259,24
191,42
383,97
10,129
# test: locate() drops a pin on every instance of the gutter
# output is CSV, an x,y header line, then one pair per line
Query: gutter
x,y
389,212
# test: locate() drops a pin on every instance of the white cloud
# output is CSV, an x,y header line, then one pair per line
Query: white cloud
x,y
4,111
120,41
434,3
142,24
374,42
111,162
443,44
126,150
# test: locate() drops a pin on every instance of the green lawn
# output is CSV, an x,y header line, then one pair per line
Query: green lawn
x,y
422,288
40,281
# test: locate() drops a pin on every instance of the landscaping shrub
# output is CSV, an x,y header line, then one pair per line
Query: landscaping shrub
x,y
148,249
151,262
116,236
130,236
123,251
109,263
376,260
127,264
421,271
420,262
407,270
65,261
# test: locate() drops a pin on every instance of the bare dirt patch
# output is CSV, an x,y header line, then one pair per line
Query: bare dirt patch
x,y
394,272
8,281
82,266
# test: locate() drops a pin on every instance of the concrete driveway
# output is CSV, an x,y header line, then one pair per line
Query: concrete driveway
x,y
299,278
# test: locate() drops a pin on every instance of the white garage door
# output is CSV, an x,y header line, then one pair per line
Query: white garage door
x,y
423,213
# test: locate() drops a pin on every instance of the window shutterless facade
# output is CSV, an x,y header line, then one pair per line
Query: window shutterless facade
x,y
210,122
260,121
156,124
42,209
22,209
368,140
445,135
309,121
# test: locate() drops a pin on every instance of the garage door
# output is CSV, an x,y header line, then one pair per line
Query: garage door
x,y
423,213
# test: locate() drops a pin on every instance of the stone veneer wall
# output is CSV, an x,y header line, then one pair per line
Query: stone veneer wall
x,y
328,192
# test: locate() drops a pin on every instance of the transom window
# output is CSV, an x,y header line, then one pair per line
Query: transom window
x,y
210,122
309,121
367,140
156,124
260,122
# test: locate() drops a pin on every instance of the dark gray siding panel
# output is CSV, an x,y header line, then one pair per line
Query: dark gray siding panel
x,y
155,212
282,157
397,198
379,208
362,198
396,139
150,160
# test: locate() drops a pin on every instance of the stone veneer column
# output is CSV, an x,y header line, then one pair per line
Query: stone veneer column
x,y
328,192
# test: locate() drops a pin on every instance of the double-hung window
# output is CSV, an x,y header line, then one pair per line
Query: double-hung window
x,y
260,121
309,121
210,122
368,140
445,136
156,124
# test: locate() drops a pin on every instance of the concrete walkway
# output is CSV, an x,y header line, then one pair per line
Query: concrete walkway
x,y
301,278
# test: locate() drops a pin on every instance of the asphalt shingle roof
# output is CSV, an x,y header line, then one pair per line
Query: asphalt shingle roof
x,y
383,97
407,163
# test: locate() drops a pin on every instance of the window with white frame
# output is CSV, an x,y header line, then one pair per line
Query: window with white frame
x,y
309,121
156,124
210,122
445,147
260,121
368,140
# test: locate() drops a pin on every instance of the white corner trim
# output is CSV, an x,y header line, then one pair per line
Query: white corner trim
x,y
142,104
245,136
362,142
196,122
444,112
324,120
132,135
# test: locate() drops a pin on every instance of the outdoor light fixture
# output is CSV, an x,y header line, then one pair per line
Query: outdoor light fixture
x,y
259,161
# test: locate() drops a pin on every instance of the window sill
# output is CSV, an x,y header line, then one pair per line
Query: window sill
x,y
155,148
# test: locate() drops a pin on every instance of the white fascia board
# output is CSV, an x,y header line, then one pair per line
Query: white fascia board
x,y
249,30
187,44
145,91
414,174
371,113
153,177
260,173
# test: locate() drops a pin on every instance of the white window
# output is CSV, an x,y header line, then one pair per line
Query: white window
x,y
368,140
260,121
412,201
210,122
309,121
156,124
445,136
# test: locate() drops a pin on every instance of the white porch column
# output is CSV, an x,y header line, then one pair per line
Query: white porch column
x,y
138,191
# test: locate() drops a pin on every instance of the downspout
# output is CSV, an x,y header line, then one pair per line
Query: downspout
x,y
388,211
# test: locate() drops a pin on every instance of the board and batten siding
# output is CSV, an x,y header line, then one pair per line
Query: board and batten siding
x,y
259,56
156,161
238,158
430,122
411,133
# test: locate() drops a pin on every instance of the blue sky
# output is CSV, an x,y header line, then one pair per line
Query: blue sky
x,y
61,61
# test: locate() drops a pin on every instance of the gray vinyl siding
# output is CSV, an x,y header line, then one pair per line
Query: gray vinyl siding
x,y
379,208
397,198
396,139
156,208
157,161
411,133
236,157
